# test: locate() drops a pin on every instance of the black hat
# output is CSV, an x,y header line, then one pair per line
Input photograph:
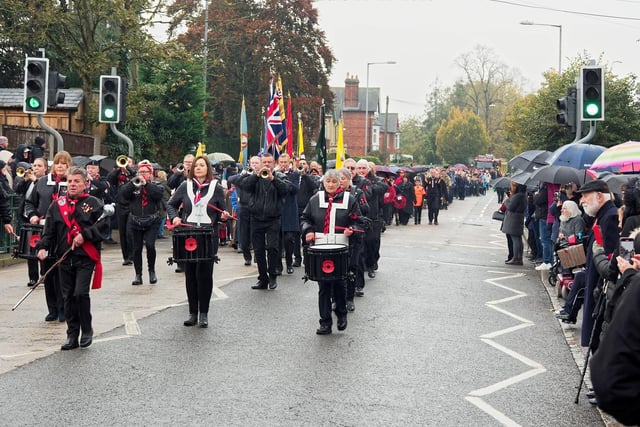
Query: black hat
x,y
2,164
93,163
597,185
39,140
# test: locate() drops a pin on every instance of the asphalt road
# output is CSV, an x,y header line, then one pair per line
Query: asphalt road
x,y
446,335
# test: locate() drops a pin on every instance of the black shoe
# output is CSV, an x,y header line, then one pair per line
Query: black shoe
x,y
110,242
435,222
342,323
51,317
192,320
61,317
273,283
371,274
323,330
591,394
86,339
297,263
359,292
351,306
153,279
137,280
162,237
32,283
278,271
204,320
179,270
593,400
289,270
247,262
260,285
127,262
70,344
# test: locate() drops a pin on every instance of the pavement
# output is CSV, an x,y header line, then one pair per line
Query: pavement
x,y
25,336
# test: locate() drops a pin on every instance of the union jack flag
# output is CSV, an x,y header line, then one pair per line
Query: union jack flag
x,y
274,128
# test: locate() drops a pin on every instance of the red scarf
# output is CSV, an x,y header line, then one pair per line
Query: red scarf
x,y
67,209
199,187
327,216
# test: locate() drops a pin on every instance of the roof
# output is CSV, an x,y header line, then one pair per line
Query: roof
x,y
10,98
374,96
392,124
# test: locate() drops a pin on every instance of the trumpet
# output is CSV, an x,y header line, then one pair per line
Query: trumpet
x,y
264,173
21,172
179,168
137,181
122,161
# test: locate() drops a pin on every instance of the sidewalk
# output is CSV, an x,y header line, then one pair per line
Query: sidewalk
x,y
25,336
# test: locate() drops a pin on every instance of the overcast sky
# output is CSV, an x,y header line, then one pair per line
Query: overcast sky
x,y
424,37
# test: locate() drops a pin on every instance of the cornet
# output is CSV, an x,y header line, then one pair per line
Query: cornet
x,y
264,173
137,181
179,168
21,172
122,161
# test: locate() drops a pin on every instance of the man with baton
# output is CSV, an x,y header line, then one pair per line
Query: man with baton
x,y
73,231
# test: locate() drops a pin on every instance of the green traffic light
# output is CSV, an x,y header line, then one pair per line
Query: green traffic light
x,y
33,103
592,109
109,113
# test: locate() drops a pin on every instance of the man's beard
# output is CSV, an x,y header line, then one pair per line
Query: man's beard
x,y
591,210
564,218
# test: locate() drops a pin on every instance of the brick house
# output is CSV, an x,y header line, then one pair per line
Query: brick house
x,y
350,106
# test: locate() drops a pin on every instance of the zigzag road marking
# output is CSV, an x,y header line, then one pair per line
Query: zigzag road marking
x,y
475,396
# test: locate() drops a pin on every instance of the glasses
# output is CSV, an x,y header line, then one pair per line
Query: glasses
x,y
351,168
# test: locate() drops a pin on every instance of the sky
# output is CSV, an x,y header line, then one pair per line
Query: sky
x,y
424,37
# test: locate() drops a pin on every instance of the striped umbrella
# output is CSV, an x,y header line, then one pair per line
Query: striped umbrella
x,y
623,157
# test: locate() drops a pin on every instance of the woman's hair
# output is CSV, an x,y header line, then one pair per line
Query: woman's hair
x,y
44,162
346,173
332,173
63,157
209,176
572,208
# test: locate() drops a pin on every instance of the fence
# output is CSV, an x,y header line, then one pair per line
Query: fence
x,y
7,241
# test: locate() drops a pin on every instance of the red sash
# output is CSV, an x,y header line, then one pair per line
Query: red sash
x,y
67,208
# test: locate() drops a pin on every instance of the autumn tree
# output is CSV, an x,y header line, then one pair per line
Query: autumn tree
x,y
461,137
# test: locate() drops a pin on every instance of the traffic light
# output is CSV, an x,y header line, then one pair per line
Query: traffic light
x,y
592,102
36,80
56,81
109,99
567,110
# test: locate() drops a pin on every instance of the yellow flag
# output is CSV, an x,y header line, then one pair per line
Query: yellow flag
x,y
201,151
340,147
300,138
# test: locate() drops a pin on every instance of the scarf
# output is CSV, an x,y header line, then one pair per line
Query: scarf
x,y
199,188
327,215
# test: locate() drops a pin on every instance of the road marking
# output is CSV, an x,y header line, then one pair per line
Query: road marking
x,y
474,396
130,323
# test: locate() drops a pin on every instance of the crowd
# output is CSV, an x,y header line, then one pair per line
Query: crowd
x,y
554,218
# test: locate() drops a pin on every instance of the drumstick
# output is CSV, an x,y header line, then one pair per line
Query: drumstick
x,y
349,228
170,226
215,208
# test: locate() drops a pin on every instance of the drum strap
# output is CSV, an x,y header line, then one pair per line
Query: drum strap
x,y
198,213
330,228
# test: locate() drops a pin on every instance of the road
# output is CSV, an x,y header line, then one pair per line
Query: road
x,y
446,335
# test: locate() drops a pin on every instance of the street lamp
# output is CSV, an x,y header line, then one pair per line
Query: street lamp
x,y
366,104
559,27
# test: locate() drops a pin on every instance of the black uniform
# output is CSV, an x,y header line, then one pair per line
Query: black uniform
x,y
436,191
117,178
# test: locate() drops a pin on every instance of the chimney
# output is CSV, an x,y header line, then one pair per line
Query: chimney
x,y
351,86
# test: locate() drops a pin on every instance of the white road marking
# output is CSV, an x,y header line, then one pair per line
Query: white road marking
x,y
130,323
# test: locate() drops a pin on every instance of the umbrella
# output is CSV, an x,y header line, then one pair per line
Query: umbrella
x,y
530,160
503,182
615,182
384,169
576,155
619,158
557,174
420,168
220,157
80,161
460,166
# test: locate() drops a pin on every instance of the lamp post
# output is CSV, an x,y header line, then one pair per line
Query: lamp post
x,y
366,104
559,27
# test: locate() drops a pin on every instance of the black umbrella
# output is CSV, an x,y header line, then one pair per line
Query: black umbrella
x,y
557,174
615,182
503,182
529,160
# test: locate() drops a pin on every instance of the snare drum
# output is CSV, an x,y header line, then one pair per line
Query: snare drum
x,y
29,238
192,244
327,262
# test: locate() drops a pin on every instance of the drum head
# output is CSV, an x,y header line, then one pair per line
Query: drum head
x,y
328,247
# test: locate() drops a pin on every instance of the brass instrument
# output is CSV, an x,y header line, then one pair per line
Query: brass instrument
x,y
21,172
122,161
264,173
137,181
249,170
179,168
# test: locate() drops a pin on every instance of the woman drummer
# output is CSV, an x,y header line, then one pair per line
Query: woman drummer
x,y
202,201
331,214
46,191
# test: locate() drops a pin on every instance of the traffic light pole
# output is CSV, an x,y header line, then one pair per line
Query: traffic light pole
x,y
588,137
123,137
53,132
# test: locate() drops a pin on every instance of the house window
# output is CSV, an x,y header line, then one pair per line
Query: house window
x,y
375,143
396,141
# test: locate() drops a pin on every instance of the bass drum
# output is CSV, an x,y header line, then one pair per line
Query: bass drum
x,y
326,262
29,237
192,244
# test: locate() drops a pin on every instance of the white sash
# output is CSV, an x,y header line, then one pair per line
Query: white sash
x,y
332,236
199,213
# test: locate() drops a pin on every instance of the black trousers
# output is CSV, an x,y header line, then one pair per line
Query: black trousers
x,y
199,285
52,289
337,289
75,279
146,237
244,232
372,245
289,239
265,237
125,240
32,265
417,214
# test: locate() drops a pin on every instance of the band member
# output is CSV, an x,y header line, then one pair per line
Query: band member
x,y
145,200
182,172
375,201
362,184
266,190
244,217
436,192
330,217
202,201
72,223
47,191
25,186
290,218
117,178
308,186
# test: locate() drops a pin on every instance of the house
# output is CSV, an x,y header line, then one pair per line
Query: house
x,y
350,105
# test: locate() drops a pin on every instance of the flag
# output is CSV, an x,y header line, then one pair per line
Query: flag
x,y
289,123
243,158
321,146
340,147
201,150
300,138
273,122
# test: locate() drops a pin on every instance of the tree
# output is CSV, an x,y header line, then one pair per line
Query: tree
x,y
461,137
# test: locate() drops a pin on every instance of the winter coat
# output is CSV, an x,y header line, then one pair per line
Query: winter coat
x,y
513,222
